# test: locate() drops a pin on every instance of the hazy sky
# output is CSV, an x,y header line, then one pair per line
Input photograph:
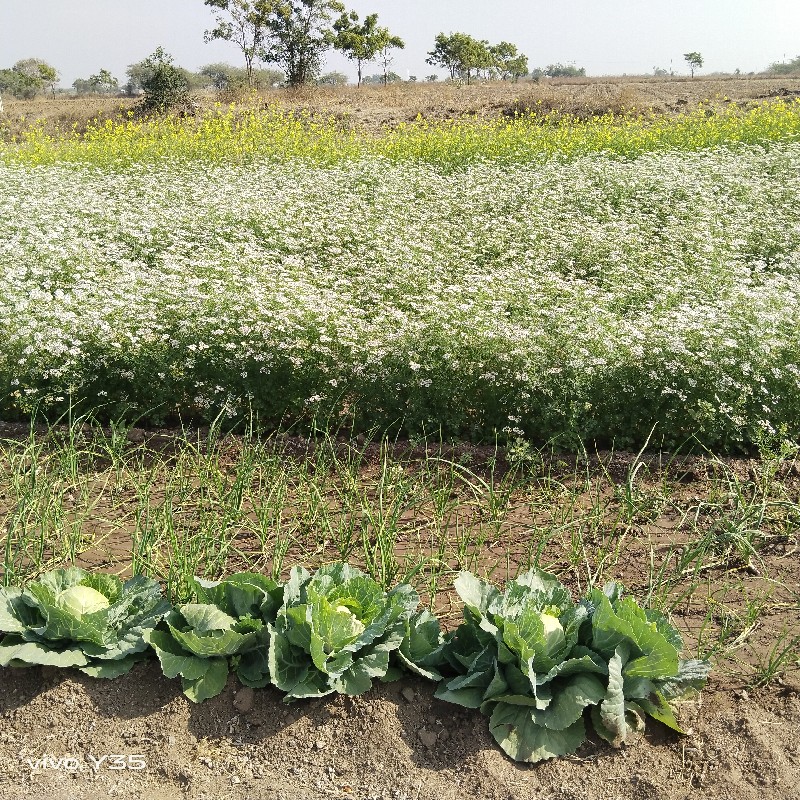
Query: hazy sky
x,y
79,37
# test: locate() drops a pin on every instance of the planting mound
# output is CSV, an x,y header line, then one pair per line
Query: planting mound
x,y
395,742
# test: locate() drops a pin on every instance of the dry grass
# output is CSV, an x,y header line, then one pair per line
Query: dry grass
x,y
373,107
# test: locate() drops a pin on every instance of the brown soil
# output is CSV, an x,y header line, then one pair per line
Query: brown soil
x,y
395,743
371,108
398,742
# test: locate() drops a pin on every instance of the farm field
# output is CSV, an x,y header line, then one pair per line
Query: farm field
x,y
255,339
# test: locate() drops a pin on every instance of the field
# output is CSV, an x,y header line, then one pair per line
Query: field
x,y
467,329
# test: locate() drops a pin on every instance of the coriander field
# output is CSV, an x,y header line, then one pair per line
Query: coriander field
x,y
581,296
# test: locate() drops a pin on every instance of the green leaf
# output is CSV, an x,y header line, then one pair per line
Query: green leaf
x,y
206,618
12,648
659,657
110,586
110,669
210,683
523,740
253,667
174,659
692,675
612,709
475,593
288,665
658,708
15,614
358,678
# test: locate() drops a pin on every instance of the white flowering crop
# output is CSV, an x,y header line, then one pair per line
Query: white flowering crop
x,y
595,298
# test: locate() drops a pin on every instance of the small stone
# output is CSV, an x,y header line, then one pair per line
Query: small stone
x,y
428,738
171,740
409,694
243,702
235,779
320,744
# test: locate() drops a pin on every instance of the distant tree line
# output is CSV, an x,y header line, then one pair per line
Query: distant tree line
x,y
28,77
785,67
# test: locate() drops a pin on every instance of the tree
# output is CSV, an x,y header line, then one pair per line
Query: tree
x,y
386,78
508,62
694,60
785,68
102,83
164,84
245,24
564,71
28,77
20,86
142,72
363,42
460,54
221,76
332,79
298,33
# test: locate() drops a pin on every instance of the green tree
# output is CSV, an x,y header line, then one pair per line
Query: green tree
x,y
245,23
222,76
694,60
785,68
460,54
165,85
28,77
332,79
141,73
508,62
362,42
20,86
298,34
102,83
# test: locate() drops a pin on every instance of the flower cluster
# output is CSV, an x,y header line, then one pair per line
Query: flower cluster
x,y
590,298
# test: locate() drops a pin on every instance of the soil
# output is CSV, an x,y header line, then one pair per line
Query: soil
x,y
373,108
399,743
395,743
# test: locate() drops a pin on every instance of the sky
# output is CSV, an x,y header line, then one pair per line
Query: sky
x,y
607,37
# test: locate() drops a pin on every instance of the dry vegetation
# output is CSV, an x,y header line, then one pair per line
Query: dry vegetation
x,y
372,107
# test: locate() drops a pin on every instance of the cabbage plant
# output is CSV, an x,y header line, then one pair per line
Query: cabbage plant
x,y
226,628
335,632
532,661
72,618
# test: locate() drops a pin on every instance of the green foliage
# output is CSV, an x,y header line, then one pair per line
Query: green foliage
x,y
243,23
460,54
332,79
363,42
28,77
558,71
694,60
336,632
785,67
534,677
221,76
165,86
507,62
298,34
226,627
53,622
101,83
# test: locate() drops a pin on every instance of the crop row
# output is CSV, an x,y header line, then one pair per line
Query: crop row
x,y
244,135
593,299
530,658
